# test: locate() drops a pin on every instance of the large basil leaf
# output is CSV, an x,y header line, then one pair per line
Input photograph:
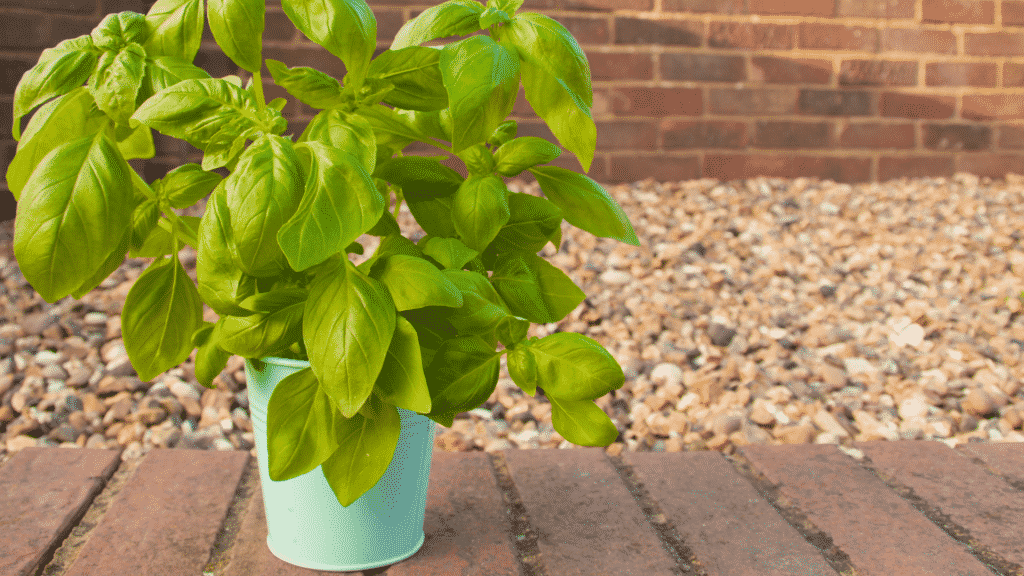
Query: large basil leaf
x,y
432,329
585,204
166,71
144,220
137,144
187,184
72,214
348,323
421,175
261,335
401,381
115,82
567,365
161,312
366,447
415,73
430,123
482,307
237,26
533,223
534,289
346,28
175,29
482,80
263,192
582,422
300,426
415,283
211,359
461,376
390,127
492,15
449,252
479,210
452,18
503,133
340,204
219,279
349,132
66,117
59,70
309,85
113,262
519,154
116,31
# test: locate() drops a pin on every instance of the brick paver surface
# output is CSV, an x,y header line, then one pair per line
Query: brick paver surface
x,y
1006,459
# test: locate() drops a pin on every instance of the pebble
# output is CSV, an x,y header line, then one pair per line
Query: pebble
x,y
754,311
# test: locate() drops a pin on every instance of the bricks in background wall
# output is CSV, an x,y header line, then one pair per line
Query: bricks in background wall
x,y
705,6
815,36
877,73
794,7
961,74
957,137
916,40
993,107
792,135
994,44
1011,137
734,166
875,8
668,33
959,11
989,164
702,67
876,135
752,101
677,134
836,102
1013,13
663,167
775,70
914,166
895,104
748,36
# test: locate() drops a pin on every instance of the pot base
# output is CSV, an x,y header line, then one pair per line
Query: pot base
x,y
346,567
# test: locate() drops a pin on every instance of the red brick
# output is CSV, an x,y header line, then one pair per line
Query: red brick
x,y
1011,137
890,168
649,31
836,102
389,22
1013,74
876,135
26,31
633,168
180,499
971,497
1005,458
64,27
750,36
657,101
959,11
736,166
995,106
703,67
994,44
586,30
79,6
527,5
44,492
583,514
621,66
11,70
610,5
1013,13
838,37
916,105
800,7
522,109
624,134
916,40
598,168
752,101
957,137
880,532
704,6
792,135
775,70
990,164
717,512
877,73
960,74
875,8
681,134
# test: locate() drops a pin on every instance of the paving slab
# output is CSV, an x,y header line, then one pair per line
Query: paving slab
x,y
1004,458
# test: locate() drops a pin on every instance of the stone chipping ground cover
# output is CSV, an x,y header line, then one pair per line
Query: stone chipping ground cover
x,y
754,311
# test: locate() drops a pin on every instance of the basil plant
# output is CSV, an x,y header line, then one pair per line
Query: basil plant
x,y
417,325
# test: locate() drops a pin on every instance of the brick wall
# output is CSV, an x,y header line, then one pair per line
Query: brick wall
x,y
852,90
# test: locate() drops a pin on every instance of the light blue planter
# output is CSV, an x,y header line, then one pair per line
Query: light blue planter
x,y
306,526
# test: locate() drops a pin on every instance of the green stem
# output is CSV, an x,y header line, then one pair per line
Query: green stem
x,y
257,84
180,228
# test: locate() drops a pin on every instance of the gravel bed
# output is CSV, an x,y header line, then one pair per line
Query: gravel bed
x,y
754,311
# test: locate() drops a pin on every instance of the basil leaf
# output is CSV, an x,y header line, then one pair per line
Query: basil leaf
x,y
415,283
70,116
522,368
503,133
348,323
479,210
340,204
389,245
387,225
211,359
461,376
535,289
420,175
346,28
237,26
274,300
262,335
116,31
585,204
428,123
59,70
582,422
452,18
161,312
533,223
160,241
481,309
401,381
311,86
72,214
478,160
300,426
433,214
365,450
450,252
416,76
115,82
569,366
166,71
492,16
519,154
175,29
187,184
112,263
507,6
349,132
432,328
219,279
138,144
143,221
482,80
390,127
512,330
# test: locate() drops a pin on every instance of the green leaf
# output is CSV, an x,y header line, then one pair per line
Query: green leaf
x,y
503,133
534,289
263,193
161,312
309,85
401,381
415,283
390,127
73,115
112,263
144,219
160,241
349,132
348,324
166,71
262,335
420,175
493,16
187,184
533,223
387,225
481,309
416,76
390,245
521,153
116,31
482,80
175,29
567,365
479,210
72,214
211,359
274,300
461,376
450,252
478,160
582,422
339,205
512,330
59,70
115,81
237,26
365,450
452,18
429,123
585,204
507,6
432,328
346,28
138,144
300,426
219,279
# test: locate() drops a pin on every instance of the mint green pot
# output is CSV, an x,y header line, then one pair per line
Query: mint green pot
x,y
307,527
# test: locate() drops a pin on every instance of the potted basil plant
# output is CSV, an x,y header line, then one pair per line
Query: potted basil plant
x,y
349,367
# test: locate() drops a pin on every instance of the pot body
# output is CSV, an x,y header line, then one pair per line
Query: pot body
x,y
308,527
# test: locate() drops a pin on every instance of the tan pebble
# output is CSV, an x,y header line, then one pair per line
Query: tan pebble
x,y
130,433
658,424
717,442
113,430
978,403
451,441
738,438
726,424
677,422
17,443
97,440
92,403
1012,418
192,407
674,444
614,449
827,422
6,414
796,434
760,414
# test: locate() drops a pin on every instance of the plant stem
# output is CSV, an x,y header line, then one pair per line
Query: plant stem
x,y
257,84
181,228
